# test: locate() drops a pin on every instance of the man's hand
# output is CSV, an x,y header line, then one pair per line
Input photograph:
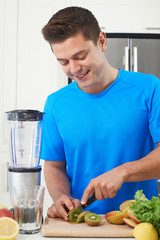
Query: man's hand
x,y
62,206
104,186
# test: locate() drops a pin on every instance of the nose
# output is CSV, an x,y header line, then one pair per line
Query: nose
x,y
75,67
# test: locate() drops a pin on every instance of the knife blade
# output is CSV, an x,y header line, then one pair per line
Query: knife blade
x,y
90,200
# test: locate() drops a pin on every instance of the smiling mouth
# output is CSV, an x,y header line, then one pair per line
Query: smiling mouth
x,y
82,76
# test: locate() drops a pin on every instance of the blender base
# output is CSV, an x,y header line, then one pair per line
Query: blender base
x,y
23,176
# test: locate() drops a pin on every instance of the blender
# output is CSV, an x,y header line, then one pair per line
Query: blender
x,y
24,138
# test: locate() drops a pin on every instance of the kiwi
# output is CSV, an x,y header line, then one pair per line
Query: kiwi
x,y
92,219
73,214
80,218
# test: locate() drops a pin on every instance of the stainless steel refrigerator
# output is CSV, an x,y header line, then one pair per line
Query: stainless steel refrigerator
x,y
134,52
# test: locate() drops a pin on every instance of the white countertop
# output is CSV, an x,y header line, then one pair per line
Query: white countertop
x,y
38,236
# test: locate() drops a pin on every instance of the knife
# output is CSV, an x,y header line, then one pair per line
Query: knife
x,y
89,201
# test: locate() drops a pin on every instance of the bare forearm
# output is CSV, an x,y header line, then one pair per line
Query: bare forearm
x,y
107,184
143,169
59,188
56,180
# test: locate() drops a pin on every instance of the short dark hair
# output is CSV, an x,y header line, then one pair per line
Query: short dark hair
x,y
70,21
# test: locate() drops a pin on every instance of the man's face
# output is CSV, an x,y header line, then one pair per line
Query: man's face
x,y
81,60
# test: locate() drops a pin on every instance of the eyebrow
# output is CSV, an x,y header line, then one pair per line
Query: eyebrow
x,y
81,51
75,55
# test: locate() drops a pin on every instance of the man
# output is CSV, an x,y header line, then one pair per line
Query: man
x,y
102,132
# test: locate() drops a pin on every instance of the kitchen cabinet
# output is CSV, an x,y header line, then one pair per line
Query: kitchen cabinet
x,y
8,56
139,16
38,73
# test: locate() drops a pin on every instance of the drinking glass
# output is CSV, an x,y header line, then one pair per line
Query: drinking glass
x,y
28,207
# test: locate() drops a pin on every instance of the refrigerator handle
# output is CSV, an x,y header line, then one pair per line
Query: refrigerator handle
x,y
135,59
125,59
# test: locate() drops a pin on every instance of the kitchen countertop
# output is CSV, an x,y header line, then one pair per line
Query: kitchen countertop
x,y
38,236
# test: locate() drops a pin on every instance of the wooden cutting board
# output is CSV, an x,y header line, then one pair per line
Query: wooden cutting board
x,y
56,227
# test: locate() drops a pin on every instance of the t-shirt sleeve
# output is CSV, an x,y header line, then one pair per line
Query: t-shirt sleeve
x,y
154,110
52,144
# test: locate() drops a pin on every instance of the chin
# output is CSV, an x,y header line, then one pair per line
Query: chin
x,y
89,84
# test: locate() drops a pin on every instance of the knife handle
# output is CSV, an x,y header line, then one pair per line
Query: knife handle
x,y
90,200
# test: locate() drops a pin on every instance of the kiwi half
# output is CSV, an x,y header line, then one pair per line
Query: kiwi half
x,y
73,214
80,217
92,219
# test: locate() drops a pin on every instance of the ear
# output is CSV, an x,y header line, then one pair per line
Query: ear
x,y
102,41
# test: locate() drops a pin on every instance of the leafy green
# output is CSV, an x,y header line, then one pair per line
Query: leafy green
x,y
140,195
147,210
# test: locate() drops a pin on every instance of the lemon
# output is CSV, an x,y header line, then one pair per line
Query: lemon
x,y
9,228
145,231
2,206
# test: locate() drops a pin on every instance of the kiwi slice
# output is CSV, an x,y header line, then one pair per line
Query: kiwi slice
x,y
92,219
80,217
73,214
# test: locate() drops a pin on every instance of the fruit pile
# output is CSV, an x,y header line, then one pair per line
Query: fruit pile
x,y
77,216
141,230
125,215
9,228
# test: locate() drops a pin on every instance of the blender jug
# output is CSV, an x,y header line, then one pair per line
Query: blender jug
x,y
24,138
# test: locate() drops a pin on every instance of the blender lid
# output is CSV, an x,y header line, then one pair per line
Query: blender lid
x,y
25,115
24,170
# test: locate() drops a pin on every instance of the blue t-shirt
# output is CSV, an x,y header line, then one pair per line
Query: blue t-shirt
x,y
96,133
